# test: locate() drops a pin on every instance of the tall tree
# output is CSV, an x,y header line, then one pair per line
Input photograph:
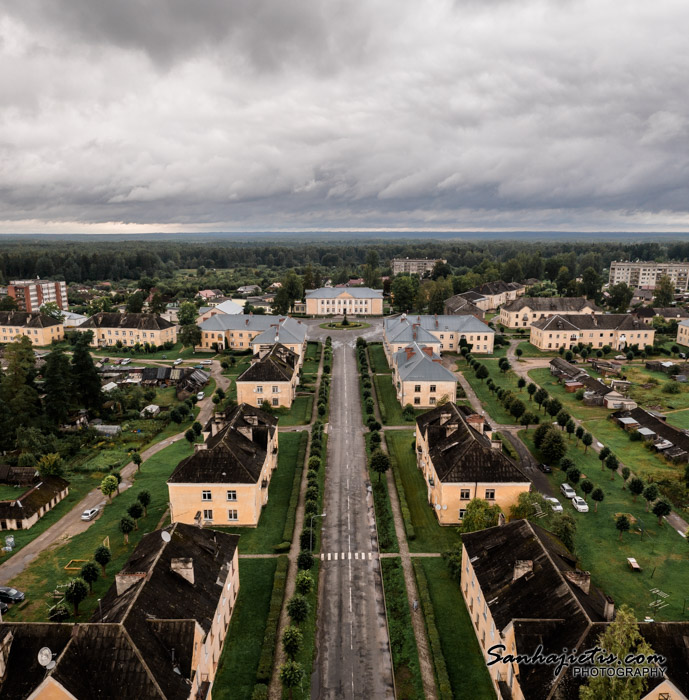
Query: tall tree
x,y
479,515
620,296
75,592
135,303
17,388
403,293
665,292
189,336
157,304
187,313
57,386
85,379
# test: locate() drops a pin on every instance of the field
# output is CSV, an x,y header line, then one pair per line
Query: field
x,y
660,551
299,412
376,356
430,535
489,400
529,350
647,389
574,407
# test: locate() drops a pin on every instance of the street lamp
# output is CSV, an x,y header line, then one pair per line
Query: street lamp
x,y
315,515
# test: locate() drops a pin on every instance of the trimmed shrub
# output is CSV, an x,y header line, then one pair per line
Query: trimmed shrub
x,y
265,664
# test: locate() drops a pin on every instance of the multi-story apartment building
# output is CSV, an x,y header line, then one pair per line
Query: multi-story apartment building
x,y
646,275
30,295
129,329
272,378
40,328
525,311
243,331
358,301
420,379
414,266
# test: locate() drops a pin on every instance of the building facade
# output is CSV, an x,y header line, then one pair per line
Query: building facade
x,y
272,377
646,275
238,332
129,329
40,328
225,481
414,266
420,379
32,502
525,311
335,301
683,333
30,295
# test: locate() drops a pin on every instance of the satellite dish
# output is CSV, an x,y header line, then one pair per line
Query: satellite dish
x,y
166,536
438,506
45,657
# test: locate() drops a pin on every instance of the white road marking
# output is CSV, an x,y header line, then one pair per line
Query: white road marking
x,y
335,556
350,555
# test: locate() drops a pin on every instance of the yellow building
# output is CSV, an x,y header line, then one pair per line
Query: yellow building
x,y
460,461
39,327
420,379
442,333
334,301
491,295
525,596
273,377
683,333
225,482
525,311
158,632
618,331
129,329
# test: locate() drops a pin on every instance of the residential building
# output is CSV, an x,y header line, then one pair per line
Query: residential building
x,y
110,327
683,332
238,331
249,289
355,301
459,305
30,295
460,460
442,333
71,320
523,590
40,328
670,313
420,379
35,497
491,295
646,275
158,632
523,312
618,331
666,439
227,306
273,377
291,335
414,266
225,481
209,294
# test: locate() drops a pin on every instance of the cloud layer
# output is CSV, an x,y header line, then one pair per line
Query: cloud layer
x,y
266,115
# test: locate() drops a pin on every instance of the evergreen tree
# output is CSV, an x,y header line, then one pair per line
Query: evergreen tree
x,y
85,379
57,386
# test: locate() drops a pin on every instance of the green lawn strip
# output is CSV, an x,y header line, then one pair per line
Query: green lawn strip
x,y
263,538
572,405
430,536
490,401
307,653
464,660
385,522
318,522
376,356
390,408
661,552
647,389
236,675
498,351
44,574
351,326
529,350
680,419
635,455
175,352
313,352
298,414
290,517
405,656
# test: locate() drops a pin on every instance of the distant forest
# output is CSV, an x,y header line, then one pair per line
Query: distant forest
x,y
89,261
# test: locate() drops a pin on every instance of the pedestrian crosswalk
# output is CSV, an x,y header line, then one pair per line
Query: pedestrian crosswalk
x,y
348,556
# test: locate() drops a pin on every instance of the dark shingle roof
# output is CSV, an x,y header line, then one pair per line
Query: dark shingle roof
x,y
277,365
561,304
460,305
27,320
32,499
590,322
144,322
497,287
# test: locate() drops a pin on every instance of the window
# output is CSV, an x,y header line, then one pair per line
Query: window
x,y
432,400
417,401
417,388
206,496
208,515
462,513
490,494
432,388
232,495
259,389
232,515
465,494
276,402
276,389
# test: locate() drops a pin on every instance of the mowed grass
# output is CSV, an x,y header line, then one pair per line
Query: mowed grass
x,y
490,401
172,354
430,535
376,356
268,533
299,412
529,350
680,419
661,551
238,663
390,408
466,666
572,405
46,572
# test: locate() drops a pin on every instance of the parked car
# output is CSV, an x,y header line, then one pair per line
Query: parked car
x,y
199,367
10,595
206,362
567,491
554,504
201,396
683,355
106,360
178,361
620,357
545,468
90,514
580,504
126,360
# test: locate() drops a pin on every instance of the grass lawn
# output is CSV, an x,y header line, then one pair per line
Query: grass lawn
x,y
467,670
390,408
529,350
268,533
647,389
173,354
236,674
241,364
313,352
661,552
376,356
680,419
576,408
490,402
46,572
430,535
298,414
351,326
498,351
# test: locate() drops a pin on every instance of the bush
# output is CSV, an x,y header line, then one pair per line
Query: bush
x,y
310,508
307,538
305,560
260,692
671,387
635,436
265,663
314,463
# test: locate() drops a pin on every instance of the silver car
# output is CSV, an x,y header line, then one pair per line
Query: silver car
x,y
554,504
567,491
90,514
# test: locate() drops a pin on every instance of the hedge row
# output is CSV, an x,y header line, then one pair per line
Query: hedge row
x,y
265,664
404,506
381,404
441,675
288,531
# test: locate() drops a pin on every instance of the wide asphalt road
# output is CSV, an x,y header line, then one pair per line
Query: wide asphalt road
x,y
353,647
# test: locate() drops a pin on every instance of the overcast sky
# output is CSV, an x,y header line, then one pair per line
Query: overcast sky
x,y
182,115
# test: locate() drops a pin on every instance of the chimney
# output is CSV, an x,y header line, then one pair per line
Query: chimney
x,y
410,352
123,582
581,579
609,609
444,417
522,567
199,446
184,566
427,350
476,422
496,445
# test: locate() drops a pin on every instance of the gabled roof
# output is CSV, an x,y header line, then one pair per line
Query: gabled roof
x,y
561,304
561,366
252,322
420,363
277,365
335,292
29,501
590,322
438,323
497,287
458,304
27,319
144,322
293,333
229,307
460,453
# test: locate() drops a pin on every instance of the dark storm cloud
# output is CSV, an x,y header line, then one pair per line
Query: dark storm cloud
x,y
507,114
